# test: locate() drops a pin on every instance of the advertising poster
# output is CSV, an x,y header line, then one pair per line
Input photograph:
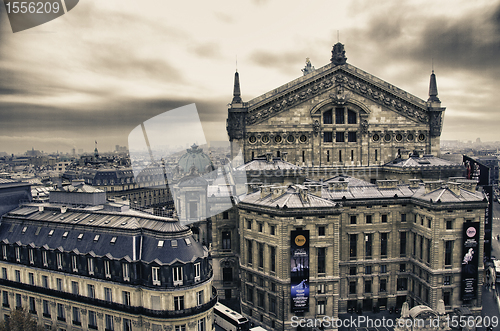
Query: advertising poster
x,y
488,220
476,170
470,260
299,270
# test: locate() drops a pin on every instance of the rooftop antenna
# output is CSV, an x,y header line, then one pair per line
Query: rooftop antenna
x,y
338,36
432,61
236,63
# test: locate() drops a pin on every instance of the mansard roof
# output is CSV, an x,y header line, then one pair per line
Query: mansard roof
x,y
133,236
325,79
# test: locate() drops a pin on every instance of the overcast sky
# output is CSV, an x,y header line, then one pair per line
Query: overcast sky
x,y
106,66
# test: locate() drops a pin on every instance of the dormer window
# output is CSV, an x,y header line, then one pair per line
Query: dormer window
x,y
90,265
107,270
65,235
96,238
80,236
74,263
51,232
126,272
160,243
177,275
18,254
156,276
44,259
31,257
197,272
24,230
173,243
4,252
59,260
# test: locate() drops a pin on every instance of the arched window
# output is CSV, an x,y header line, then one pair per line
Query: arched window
x,y
327,117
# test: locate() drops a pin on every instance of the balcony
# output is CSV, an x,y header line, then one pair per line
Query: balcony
x,y
112,305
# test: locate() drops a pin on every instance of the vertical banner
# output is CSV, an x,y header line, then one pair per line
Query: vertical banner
x,y
299,270
488,219
470,260
477,171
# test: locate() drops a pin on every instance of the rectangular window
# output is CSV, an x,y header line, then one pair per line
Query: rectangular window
x,y
384,218
260,299
46,308
402,243
200,298
74,263
383,285
449,225
383,244
59,284
446,280
402,267
261,255
127,325
18,254
250,294
179,303
340,156
260,227
368,270
227,274
226,239
429,223
321,307
92,320
403,218
31,256
320,289
368,219
90,265
75,288
351,137
402,284
45,281
272,305
90,291
201,325
18,275
249,224
448,252
61,316
108,294
321,231
197,272
321,260
109,322
4,252
76,316
177,273
339,116
4,273
126,298
352,287
368,245
273,230
353,240
19,302
59,260
31,278
5,297
428,246
44,259
327,136
107,270
32,304
368,286
353,219
352,271
340,138
272,259
126,272
249,252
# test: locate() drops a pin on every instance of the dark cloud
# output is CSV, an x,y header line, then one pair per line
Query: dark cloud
x,y
207,50
285,61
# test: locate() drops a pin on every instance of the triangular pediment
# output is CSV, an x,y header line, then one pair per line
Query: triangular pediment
x,y
329,80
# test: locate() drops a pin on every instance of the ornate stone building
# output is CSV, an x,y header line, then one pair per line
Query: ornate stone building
x,y
335,116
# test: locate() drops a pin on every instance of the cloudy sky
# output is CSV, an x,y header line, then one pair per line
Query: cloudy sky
x,y
106,66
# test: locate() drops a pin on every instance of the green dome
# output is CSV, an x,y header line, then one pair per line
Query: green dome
x,y
195,157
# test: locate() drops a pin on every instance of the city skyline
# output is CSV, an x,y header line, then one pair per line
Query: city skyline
x,y
104,68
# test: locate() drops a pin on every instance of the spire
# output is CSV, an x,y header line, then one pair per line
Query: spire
x,y
236,93
433,90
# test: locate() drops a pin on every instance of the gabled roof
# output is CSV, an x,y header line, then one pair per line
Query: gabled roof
x,y
259,164
288,197
326,78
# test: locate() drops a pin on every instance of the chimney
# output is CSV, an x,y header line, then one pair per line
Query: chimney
x,y
414,183
277,191
454,187
40,208
387,183
432,186
303,193
63,209
265,190
404,153
338,186
315,189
